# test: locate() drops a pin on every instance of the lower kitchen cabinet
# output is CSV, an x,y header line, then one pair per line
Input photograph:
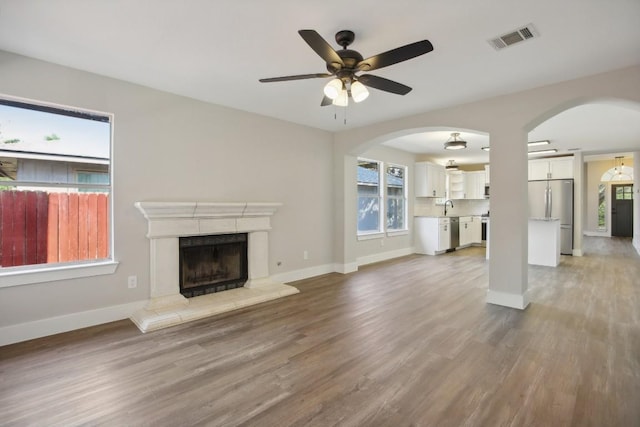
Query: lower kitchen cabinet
x,y
476,229
432,234
466,231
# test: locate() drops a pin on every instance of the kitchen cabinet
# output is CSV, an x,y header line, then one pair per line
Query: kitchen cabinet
x,y
456,185
556,168
476,229
474,185
430,180
466,237
432,234
486,174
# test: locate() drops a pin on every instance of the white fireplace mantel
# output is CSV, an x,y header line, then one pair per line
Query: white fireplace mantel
x,y
167,222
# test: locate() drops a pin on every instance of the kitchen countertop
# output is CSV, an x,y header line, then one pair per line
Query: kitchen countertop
x,y
544,219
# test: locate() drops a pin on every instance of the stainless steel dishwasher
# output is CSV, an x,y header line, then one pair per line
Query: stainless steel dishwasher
x,y
455,232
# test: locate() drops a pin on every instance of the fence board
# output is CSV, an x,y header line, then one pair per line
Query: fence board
x,y
31,228
103,245
63,228
83,227
19,227
93,225
6,228
73,227
42,217
52,228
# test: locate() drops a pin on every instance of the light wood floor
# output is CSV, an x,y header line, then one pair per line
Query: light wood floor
x,y
400,343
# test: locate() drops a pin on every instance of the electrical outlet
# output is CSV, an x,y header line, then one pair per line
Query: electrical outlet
x,y
305,255
132,282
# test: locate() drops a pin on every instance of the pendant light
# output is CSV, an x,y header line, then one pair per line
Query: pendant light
x,y
455,144
451,166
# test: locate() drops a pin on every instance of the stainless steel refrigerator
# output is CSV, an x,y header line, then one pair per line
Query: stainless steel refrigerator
x,y
554,199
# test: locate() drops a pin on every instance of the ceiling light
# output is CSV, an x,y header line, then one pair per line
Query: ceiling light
x,y
456,144
333,88
358,91
485,148
342,100
534,143
451,166
535,153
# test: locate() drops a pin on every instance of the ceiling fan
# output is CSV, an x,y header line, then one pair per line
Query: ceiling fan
x,y
344,65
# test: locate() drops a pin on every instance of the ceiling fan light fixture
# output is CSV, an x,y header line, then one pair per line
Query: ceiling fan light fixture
x,y
342,100
333,88
455,144
358,91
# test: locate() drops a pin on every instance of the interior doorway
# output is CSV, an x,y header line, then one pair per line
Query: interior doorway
x,y
622,210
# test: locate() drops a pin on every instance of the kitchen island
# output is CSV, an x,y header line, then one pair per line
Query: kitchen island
x,y
544,241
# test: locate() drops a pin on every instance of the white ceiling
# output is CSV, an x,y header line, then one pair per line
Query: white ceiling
x,y
216,51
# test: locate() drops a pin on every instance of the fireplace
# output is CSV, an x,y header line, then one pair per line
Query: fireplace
x,y
213,263
238,231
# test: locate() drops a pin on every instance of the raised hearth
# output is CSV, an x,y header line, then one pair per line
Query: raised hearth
x,y
167,222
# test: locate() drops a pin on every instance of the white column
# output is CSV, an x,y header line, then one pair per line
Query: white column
x,y
508,264
636,200
579,202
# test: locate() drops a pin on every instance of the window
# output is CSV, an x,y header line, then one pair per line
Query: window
x,y
369,197
624,192
372,188
55,195
396,198
602,207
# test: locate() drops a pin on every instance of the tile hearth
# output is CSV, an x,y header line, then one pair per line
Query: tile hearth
x,y
167,221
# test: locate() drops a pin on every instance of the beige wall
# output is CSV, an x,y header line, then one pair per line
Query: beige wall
x,y
174,148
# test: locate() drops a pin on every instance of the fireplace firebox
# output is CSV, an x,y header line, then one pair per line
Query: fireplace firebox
x,y
212,263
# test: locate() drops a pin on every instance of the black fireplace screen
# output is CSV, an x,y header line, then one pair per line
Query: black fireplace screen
x,y
211,264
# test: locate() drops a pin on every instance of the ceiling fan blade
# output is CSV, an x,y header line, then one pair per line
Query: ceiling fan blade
x,y
321,47
297,77
394,56
384,84
326,101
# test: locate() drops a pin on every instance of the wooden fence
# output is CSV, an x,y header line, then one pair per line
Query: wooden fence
x,y
38,227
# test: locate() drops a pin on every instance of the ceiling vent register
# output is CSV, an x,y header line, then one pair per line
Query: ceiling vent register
x,y
516,36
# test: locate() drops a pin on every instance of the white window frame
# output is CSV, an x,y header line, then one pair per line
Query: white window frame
x,y
383,197
365,235
41,273
405,229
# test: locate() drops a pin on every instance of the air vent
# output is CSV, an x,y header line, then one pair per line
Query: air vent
x,y
516,36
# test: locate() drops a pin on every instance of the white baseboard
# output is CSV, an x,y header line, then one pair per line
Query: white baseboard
x,y
305,273
383,256
68,322
596,233
508,300
345,268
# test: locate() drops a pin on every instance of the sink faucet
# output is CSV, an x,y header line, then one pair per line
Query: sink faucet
x,y
445,206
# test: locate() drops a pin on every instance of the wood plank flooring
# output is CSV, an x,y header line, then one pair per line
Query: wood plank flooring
x,y
408,342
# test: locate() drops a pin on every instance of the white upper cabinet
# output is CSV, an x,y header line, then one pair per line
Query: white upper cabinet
x,y
558,168
430,180
487,169
475,185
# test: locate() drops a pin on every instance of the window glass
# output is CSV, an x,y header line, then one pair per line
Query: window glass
x,y
55,193
396,197
369,196
602,207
